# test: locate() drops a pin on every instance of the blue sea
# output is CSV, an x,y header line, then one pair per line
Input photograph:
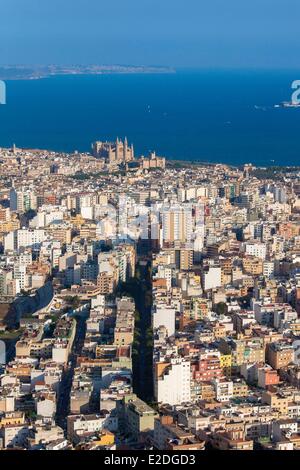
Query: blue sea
x,y
211,116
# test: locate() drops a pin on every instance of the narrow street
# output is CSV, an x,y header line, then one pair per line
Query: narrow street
x,y
144,365
63,404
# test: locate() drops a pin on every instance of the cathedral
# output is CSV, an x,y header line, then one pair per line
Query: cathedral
x,y
113,152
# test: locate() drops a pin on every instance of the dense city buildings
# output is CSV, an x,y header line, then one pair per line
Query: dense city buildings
x,y
147,304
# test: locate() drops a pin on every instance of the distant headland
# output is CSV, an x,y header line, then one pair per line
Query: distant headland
x,y
34,72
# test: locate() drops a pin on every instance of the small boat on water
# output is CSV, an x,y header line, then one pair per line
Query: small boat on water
x,y
288,104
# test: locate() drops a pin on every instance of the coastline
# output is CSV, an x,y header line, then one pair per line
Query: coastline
x,y
20,72
171,162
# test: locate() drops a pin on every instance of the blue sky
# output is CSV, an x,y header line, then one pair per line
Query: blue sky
x,y
180,33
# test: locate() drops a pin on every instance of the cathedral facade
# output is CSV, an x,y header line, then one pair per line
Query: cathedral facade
x,y
114,152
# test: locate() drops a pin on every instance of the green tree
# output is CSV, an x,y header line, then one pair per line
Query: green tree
x,y
221,308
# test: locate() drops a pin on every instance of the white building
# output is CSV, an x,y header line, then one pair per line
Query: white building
x,y
268,269
30,238
165,272
212,278
60,351
173,385
10,241
20,275
163,315
46,407
258,250
224,389
79,424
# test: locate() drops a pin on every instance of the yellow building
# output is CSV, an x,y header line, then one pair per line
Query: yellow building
x,y
240,389
106,438
12,418
225,363
277,401
252,265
